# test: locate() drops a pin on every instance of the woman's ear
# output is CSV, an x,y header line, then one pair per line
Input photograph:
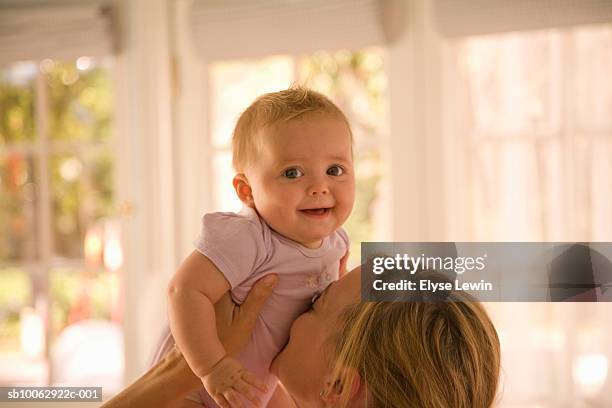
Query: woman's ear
x,y
243,189
332,393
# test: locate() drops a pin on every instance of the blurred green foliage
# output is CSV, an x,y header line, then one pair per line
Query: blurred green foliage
x,y
15,293
17,196
78,107
76,295
15,289
81,102
16,105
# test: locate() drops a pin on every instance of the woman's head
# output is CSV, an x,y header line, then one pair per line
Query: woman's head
x,y
419,354
392,354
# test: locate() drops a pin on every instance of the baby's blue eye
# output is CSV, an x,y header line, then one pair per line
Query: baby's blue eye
x,y
335,171
293,173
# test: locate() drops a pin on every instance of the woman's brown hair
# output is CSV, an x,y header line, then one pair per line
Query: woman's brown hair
x,y
425,354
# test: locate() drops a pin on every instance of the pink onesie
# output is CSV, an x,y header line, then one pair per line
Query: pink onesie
x,y
244,249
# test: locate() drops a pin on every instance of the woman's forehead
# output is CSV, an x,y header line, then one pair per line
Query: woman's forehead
x,y
346,290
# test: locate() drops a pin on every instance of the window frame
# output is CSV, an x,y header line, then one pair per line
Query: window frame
x,y
41,149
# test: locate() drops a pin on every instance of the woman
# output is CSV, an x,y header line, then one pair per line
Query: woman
x,y
343,353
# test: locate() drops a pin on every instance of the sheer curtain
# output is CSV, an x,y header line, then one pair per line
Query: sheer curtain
x,y
531,130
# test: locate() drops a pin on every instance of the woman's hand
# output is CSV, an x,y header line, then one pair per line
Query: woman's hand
x,y
235,323
166,383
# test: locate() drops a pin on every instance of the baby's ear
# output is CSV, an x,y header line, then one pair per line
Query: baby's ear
x,y
243,189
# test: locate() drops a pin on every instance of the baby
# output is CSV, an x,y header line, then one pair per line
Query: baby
x,y
292,152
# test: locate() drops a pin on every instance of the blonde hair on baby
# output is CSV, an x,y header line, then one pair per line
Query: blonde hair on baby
x,y
422,354
274,107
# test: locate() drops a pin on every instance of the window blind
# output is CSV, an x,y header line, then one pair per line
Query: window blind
x,y
33,31
225,29
456,18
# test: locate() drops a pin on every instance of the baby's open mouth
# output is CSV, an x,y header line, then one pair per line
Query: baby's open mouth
x,y
316,211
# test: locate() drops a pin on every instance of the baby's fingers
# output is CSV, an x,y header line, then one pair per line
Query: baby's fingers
x,y
233,398
221,401
251,379
248,391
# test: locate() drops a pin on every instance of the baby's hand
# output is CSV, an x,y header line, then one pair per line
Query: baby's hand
x,y
228,380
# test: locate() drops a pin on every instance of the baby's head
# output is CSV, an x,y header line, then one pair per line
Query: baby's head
x,y
292,152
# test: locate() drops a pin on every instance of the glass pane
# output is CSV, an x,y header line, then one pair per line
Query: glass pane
x,y
66,189
86,335
17,83
357,83
513,82
17,208
22,331
360,225
80,96
518,191
507,200
224,194
601,171
592,85
235,84
99,197
82,192
593,194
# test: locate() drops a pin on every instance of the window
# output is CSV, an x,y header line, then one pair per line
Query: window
x,y
536,115
355,81
533,130
60,249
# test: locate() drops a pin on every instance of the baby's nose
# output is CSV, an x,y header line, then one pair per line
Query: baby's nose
x,y
318,189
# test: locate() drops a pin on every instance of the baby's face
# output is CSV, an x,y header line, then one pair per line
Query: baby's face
x,y
303,183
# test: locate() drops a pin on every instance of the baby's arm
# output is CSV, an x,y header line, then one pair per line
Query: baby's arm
x,y
192,292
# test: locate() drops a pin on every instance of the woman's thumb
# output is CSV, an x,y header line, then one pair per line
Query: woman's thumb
x,y
261,291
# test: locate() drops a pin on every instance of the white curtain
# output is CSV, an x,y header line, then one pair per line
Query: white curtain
x,y
533,119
